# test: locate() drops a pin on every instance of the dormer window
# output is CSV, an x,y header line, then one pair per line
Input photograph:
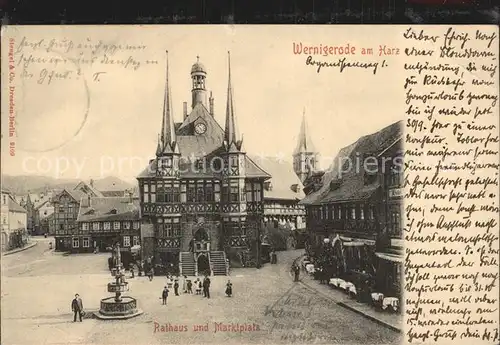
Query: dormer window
x,y
268,186
295,188
335,184
200,164
165,163
113,211
234,162
91,211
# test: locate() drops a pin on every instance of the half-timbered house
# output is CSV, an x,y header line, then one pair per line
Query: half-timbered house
x,y
357,204
105,221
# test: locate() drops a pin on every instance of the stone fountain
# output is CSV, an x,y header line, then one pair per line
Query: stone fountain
x,y
118,307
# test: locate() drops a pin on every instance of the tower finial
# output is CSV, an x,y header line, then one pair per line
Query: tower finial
x,y
230,134
167,136
304,143
197,58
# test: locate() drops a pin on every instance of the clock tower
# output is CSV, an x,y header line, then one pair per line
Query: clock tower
x,y
198,78
305,157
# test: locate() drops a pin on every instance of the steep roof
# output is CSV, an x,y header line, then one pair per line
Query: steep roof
x,y
253,170
285,184
46,200
76,194
351,181
304,143
15,207
115,193
109,208
86,187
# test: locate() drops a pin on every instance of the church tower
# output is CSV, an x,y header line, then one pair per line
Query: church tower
x,y
167,150
234,206
198,78
305,157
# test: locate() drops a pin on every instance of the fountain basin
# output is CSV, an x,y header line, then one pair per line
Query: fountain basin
x,y
121,287
112,310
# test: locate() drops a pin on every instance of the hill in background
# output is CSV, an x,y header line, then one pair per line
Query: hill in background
x,y
37,184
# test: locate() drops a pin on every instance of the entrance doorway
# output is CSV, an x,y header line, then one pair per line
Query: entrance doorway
x,y
203,264
201,241
105,243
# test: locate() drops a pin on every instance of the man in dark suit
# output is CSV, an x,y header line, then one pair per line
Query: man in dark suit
x,y
77,307
296,271
206,287
164,295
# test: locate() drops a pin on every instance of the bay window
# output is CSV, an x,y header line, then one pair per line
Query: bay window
x,y
234,192
217,192
248,191
257,190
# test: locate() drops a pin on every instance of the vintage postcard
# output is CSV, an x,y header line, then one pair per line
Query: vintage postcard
x,y
250,185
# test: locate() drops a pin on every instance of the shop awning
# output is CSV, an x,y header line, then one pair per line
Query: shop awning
x,y
356,240
354,244
390,257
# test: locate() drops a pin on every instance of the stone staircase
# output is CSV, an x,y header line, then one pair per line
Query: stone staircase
x,y
218,262
187,265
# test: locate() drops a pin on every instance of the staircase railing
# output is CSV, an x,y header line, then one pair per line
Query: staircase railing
x,y
180,264
226,262
195,266
210,265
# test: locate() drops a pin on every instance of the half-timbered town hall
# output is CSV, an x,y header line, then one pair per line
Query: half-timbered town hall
x,y
202,197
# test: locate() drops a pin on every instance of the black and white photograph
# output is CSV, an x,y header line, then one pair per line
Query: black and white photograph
x,y
215,184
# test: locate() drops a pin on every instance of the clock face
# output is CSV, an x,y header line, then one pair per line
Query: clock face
x,y
200,128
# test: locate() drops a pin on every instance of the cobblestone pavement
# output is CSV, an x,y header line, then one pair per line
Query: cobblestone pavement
x,y
36,301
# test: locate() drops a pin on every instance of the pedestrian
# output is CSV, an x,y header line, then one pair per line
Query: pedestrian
x,y
150,274
189,286
197,284
229,289
176,287
206,287
184,284
297,272
164,295
77,307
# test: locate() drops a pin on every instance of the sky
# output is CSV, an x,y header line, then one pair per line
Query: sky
x,y
79,127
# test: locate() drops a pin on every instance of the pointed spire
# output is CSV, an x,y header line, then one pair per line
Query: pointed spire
x,y
167,127
159,147
231,130
304,143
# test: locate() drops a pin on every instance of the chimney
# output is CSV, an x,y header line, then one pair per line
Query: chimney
x,y
185,109
130,197
89,203
211,102
91,183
